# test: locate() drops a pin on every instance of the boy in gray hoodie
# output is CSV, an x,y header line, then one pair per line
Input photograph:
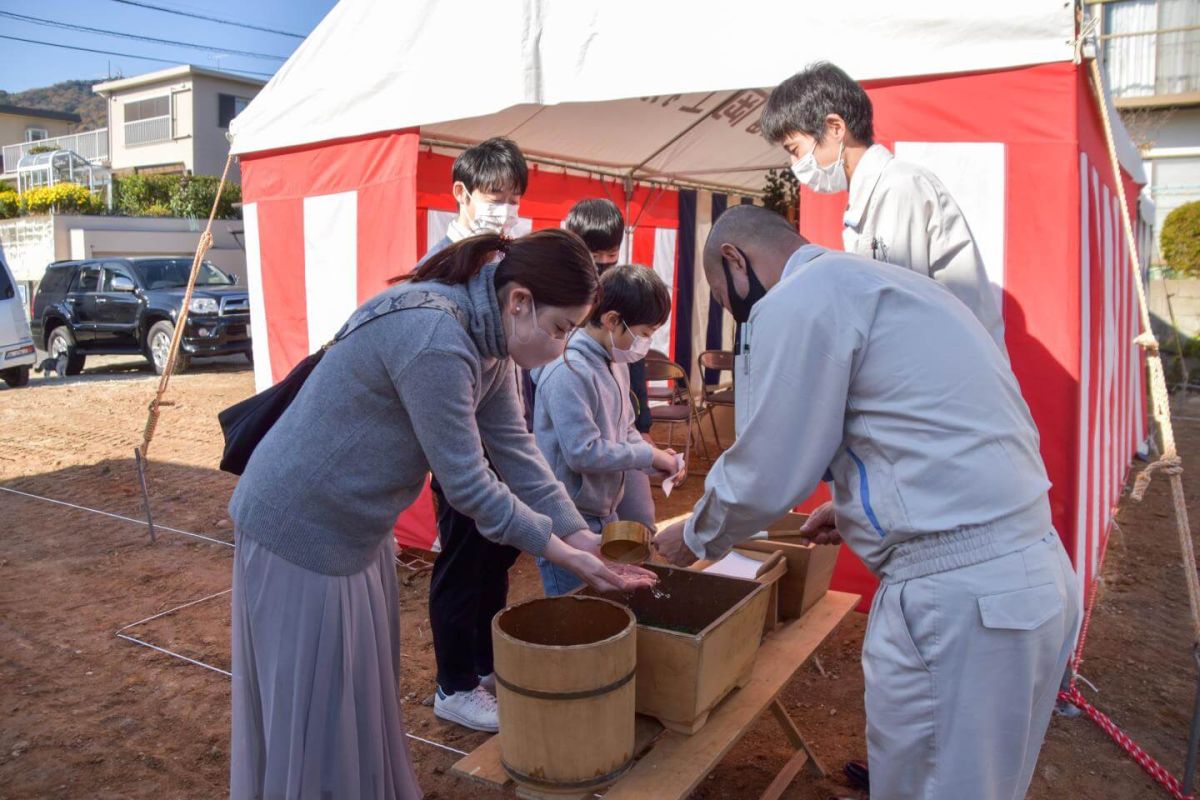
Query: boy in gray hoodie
x,y
582,419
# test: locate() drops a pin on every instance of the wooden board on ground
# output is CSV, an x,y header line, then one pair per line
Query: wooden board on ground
x,y
675,764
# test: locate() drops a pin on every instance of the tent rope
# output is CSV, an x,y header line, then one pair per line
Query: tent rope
x,y
1169,462
202,248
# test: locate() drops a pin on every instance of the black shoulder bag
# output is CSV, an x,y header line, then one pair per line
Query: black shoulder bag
x,y
245,424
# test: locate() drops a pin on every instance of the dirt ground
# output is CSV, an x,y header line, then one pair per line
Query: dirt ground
x,y
88,715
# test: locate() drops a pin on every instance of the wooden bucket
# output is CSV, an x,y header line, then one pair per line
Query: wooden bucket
x,y
565,684
625,542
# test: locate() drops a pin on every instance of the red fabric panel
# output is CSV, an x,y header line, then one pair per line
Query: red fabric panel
x,y
281,241
327,168
643,246
387,234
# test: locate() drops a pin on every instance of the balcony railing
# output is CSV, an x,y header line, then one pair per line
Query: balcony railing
x,y
148,131
91,145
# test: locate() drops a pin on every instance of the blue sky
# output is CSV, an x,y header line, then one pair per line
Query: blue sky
x,y
27,66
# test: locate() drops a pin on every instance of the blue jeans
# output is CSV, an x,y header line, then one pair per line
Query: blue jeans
x,y
556,580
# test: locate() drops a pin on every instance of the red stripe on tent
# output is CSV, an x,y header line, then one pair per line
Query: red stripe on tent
x,y
327,168
281,240
643,246
387,221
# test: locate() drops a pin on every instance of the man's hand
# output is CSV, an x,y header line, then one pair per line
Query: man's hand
x,y
664,462
821,526
670,545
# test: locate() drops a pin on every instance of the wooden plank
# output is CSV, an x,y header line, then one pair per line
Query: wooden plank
x,y
785,777
483,765
795,737
677,764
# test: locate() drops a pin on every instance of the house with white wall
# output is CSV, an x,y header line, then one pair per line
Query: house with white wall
x,y
174,120
21,125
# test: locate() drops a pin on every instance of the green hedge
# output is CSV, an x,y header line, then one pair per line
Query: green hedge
x,y
10,204
173,195
1180,240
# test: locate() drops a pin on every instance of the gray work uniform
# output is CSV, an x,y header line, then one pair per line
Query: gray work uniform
x,y
901,213
878,379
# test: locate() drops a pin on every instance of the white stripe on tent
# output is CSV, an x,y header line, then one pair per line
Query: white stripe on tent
x,y
1094,453
664,265
330,263
1085,387
258,311
974,174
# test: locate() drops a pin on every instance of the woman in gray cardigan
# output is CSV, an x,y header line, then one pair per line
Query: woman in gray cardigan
x,y
420,379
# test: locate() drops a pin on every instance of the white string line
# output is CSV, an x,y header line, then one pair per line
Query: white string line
x,y
163,650
116,516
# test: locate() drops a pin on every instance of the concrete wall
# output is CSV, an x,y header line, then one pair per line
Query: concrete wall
x,y
1184,302
211,146
179,150
30,243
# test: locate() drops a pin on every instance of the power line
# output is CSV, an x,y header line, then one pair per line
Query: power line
x,y
84,28
208,19
114,53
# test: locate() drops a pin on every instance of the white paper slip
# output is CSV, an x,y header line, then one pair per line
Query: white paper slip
x,y
669,483
736,565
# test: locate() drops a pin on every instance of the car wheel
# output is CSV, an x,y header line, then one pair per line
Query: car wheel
x,y
158,348
16,377
62,343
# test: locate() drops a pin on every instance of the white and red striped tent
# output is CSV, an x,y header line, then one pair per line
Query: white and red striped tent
x,y
345,160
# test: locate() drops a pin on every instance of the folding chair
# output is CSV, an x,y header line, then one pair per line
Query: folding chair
x,y
680,408
669,393
719,394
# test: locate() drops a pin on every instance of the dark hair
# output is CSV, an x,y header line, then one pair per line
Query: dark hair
x,y
495,165
554,265
636,293
802,102
598,222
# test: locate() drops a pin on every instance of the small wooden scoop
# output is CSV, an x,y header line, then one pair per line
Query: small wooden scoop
x,y
625,542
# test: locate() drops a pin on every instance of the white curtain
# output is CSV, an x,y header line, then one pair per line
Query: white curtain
x,y
1129,60
1178,62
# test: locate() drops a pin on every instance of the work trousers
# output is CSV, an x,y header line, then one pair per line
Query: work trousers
x,y
962,669
469,585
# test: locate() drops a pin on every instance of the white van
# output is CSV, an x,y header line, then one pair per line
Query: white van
x,y
17,353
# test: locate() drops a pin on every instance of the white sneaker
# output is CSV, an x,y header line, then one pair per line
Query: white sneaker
x,y
488,682
475,709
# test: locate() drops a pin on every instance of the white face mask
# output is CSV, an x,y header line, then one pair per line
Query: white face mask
x,y
535,348
494,217
636,352
823,180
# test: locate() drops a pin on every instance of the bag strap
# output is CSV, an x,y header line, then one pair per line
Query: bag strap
x,y
416,298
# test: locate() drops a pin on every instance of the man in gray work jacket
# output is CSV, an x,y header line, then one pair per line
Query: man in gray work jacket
x,y
878,379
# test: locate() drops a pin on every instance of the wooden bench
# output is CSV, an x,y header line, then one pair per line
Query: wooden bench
x,y
672,765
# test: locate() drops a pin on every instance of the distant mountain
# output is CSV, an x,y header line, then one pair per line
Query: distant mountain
x,y
75,97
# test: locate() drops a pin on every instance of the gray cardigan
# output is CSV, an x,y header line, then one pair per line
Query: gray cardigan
x,y
410,392
584,425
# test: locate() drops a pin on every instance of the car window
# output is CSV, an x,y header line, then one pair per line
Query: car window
x,y
6,286
88,280
55,280
111,272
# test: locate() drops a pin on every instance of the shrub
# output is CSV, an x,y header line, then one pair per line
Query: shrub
x,y
1180,240
781,193
196,193
10,205
144,195
61,197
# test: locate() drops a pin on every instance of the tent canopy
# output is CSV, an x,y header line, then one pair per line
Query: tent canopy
x,y
647,90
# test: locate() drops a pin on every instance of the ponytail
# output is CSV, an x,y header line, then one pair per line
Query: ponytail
x,y
554,265
459,262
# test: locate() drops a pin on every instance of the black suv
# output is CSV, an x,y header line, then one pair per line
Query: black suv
x,y
129,305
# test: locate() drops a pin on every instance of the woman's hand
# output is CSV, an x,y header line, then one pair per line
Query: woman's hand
x,y
821,526
670,545
601,575
584,540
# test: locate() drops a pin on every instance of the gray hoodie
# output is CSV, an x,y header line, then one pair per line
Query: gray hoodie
x,y
410,392
584,426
